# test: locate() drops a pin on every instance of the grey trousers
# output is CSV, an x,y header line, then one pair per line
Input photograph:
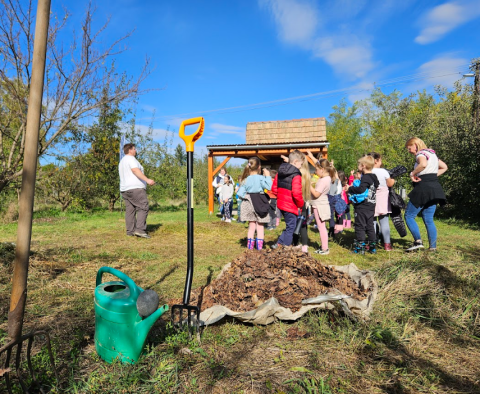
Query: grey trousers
x,y
136,210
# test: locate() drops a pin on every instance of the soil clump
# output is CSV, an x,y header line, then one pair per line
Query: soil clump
x,y
286,274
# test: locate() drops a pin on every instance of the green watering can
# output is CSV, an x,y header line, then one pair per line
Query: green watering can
x,y
120,330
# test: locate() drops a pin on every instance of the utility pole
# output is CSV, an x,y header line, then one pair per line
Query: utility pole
x,y
24,231
475,67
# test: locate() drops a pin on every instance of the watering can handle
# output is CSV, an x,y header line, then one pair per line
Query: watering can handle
x,y
190,139
134,289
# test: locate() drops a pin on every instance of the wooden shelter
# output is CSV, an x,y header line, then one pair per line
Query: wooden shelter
x,y
269,140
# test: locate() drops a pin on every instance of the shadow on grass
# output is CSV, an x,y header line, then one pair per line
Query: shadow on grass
x,y
164,276
153,227
209,280
402,360
426,306
471,252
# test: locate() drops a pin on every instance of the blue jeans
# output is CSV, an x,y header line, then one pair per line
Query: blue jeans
x,y
427,212
286,237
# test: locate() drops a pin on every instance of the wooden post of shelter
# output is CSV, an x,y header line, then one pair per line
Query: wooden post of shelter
x,y
269,140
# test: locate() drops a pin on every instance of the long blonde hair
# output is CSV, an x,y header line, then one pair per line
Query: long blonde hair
x,y
417,142
306,180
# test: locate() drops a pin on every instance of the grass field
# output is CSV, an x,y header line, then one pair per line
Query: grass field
x,y
423,337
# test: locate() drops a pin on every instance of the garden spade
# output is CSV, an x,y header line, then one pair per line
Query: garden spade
x,y
182,314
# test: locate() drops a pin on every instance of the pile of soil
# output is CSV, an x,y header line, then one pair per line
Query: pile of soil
x,y
286,274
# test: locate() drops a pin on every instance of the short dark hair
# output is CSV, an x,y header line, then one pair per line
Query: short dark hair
x,y
127,147
375,155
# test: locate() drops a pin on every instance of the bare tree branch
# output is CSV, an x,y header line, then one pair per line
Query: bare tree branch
x,y
75,72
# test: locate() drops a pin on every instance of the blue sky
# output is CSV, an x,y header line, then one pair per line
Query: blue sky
x,y
217,59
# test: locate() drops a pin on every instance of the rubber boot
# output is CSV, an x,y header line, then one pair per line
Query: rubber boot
x,y
250,243
348,224
358,247
259,244
372,247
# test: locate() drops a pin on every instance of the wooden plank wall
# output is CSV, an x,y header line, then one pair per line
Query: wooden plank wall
x,y
286,131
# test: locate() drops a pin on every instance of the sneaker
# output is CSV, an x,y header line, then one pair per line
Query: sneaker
x,y
271,228
142,235
321,251
387,247
415,246
228,220
432,250
274,246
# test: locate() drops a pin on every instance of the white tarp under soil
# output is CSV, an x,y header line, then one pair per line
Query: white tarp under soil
x,y
260,287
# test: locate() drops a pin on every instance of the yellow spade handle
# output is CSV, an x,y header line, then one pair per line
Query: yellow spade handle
x,y
190,139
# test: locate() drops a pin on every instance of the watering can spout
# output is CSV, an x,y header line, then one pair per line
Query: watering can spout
x,y
146,324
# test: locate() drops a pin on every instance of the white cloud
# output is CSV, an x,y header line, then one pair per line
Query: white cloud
x,y
149,108
298,23
347,55
219,128
296,20
156,132
441,71
363,92
444,18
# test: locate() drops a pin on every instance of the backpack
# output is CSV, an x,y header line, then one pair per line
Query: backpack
x,y
357,198
395,172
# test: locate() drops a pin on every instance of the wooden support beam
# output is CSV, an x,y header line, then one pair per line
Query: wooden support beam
x,y
220,166
210,188
310,161
325,152
225,153
247,152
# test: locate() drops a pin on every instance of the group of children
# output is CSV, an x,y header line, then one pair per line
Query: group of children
x,y
327,198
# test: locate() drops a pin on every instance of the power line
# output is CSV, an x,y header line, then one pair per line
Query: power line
x,y
319,95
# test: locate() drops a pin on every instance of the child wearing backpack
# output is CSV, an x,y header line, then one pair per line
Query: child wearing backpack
x,y
364,209
255,204
287,185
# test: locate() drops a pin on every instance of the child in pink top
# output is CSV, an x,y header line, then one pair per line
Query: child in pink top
x,y
319,201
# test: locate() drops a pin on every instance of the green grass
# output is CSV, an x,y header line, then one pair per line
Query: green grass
x,y
423,336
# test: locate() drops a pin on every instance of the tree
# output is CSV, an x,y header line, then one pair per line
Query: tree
x,y
76,73
64,184
345,136
101,161
181,155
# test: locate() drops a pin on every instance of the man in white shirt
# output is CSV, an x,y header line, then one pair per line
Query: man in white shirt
x,y
133,188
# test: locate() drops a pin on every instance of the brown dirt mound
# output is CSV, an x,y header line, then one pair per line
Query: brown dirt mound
x,y
286,274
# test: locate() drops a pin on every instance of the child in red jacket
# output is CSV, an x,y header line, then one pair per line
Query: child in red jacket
x,y
287,185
